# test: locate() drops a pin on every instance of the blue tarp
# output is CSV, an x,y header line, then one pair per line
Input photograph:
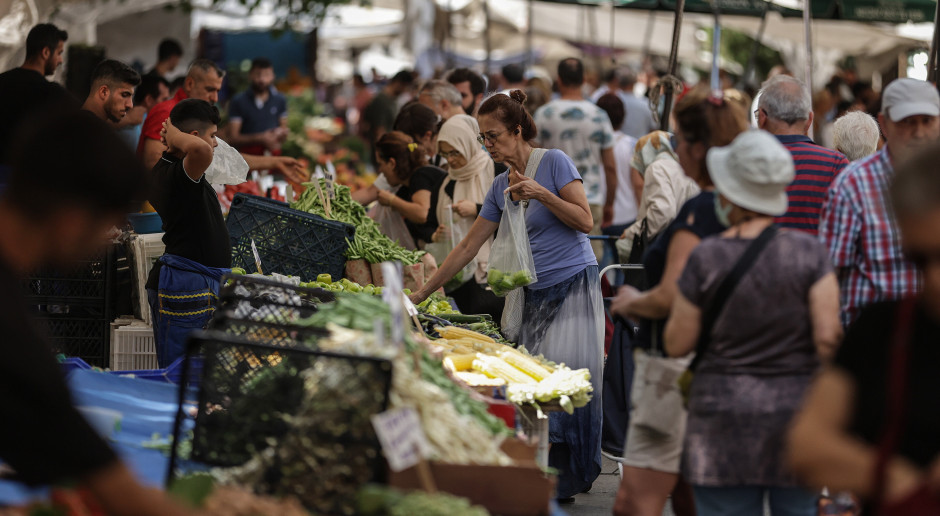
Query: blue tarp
x,y
148,407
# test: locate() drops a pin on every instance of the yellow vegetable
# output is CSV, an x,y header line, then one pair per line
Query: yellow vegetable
x,y
455,362
479,379
495,367
525,364
453,332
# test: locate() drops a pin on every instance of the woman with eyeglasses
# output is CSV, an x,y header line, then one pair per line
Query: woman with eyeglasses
x,y
404,165
470,174
657,421
562,314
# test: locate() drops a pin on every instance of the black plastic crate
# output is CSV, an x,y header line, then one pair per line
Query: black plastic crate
x,y
246,390
267,332
83,332
75,305
289,241
261,299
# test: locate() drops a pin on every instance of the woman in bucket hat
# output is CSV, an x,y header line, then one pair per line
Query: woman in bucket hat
x,y
765,335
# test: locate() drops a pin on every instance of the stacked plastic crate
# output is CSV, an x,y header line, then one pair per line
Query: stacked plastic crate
x,y
76,305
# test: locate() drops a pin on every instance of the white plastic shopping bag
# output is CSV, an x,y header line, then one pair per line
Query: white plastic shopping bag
x,y
228,167
511,264
440,250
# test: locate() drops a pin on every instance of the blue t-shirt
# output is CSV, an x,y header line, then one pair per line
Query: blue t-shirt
x,y
258,119
559,251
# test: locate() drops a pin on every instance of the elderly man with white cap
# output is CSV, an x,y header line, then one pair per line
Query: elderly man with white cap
x,y
760,307
857,222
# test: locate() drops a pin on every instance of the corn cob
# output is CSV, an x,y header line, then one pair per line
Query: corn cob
x,y
456,362
479,379
495,367
453,332
525,364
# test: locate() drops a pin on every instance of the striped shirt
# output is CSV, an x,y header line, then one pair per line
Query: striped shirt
x,y
816,167
858,227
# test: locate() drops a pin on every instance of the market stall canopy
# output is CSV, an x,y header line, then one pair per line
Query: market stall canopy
x,y
888,11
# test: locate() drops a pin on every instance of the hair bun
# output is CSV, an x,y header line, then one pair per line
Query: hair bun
x,y
518,95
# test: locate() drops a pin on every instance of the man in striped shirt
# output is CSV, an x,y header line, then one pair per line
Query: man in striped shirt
x,y
786,111
858,224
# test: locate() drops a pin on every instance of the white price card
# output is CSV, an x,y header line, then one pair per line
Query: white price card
x,y
402,438
410,307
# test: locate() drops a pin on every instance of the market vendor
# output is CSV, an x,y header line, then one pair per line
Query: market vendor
x,y
562,314
56,209
184,281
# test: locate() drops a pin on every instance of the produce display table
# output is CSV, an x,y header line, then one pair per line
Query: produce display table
x,y
148,407
538,428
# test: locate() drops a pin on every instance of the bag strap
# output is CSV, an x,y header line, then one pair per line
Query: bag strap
x,y
895,411
725,289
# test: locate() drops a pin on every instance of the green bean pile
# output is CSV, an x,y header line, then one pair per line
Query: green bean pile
x,y
369,243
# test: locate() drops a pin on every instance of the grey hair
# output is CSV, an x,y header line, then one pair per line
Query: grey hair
x,y
205,65
855,134
785,98
442,90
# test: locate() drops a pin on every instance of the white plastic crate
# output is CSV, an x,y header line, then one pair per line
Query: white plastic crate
x,y
145,249
132,346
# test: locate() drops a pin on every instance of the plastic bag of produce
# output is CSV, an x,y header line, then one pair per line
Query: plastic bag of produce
x,y
359,271
440,250
511,265
228,167
392,225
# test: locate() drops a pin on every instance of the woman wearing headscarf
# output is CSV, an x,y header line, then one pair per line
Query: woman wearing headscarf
x,y
665,188
469,176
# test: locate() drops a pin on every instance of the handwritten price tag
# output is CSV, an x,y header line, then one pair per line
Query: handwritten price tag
x,y
402,438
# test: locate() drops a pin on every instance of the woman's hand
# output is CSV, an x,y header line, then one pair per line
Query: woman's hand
x,y
440,235
465,208
525,188
625,297
385,198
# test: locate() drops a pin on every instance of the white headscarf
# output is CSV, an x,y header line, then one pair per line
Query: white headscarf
x,y
473,179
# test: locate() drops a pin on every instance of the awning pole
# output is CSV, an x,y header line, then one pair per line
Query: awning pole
x,y
529,59
613,29
488,42
750,69
808,34
716,54
934,46
673,66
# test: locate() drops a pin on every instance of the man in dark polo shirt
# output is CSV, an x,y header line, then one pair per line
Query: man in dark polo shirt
x,y
258,115
198,252
56,210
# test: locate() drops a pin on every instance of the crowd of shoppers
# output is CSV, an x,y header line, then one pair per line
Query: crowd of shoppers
x,y
760,250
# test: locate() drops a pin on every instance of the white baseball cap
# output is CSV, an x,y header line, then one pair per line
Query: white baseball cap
x,y
753,172
908,97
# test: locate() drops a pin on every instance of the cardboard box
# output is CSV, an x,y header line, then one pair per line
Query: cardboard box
x,y
521,490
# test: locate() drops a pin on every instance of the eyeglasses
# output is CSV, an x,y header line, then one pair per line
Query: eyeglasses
x,y
451,154
491,137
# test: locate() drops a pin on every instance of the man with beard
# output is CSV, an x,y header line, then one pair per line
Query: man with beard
x,y
858,223
258,116
471,86
25,90
112,91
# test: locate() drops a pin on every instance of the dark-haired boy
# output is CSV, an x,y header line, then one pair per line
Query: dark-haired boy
x,y
183,282
112,90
